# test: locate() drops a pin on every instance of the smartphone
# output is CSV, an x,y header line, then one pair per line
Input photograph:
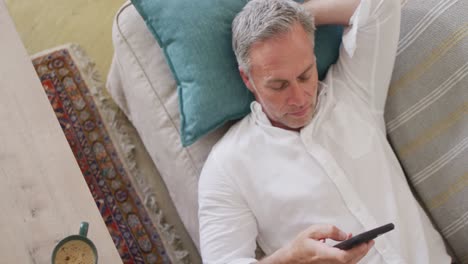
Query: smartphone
x,y
364,237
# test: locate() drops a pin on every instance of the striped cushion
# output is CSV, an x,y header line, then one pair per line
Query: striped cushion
x,y
426,112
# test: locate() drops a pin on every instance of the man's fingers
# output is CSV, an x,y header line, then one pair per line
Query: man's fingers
x,y
335,255
357,253
318,232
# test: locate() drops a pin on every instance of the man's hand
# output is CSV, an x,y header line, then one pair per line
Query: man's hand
x,y
308,249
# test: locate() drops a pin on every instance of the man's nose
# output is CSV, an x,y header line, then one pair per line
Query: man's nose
x,y
297,95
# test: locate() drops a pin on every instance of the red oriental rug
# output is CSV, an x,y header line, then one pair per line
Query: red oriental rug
x,y
132,231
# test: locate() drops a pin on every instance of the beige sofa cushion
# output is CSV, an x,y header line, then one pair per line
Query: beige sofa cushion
x,y
141,84
426,112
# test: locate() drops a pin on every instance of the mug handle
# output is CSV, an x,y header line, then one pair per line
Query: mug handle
x,y
84,229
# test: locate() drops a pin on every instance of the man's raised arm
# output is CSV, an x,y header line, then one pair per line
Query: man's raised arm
x,y
331,12
368,51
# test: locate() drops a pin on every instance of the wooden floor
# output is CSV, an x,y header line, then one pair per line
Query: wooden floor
x,y
44,196
44,24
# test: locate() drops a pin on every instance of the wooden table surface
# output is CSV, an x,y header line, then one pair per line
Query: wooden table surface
x,y
43,195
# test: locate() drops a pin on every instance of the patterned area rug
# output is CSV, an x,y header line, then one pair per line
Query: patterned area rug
x,y
132,230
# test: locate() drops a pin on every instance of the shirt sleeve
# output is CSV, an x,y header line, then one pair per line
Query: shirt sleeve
x,y
368,50
228,229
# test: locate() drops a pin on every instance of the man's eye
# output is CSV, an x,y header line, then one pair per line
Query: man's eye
x,y
304,78
280,87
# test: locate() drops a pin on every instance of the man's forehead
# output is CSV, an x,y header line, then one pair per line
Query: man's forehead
x,y
289,51
278,68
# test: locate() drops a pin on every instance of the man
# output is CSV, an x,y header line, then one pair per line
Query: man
x,y
312,157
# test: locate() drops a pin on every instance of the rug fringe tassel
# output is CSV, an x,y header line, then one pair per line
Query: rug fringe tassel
x,y
112,114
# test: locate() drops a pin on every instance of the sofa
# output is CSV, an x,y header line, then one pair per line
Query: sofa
x,y
426,114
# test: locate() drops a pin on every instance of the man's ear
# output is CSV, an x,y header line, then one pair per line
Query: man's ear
x,y
246,79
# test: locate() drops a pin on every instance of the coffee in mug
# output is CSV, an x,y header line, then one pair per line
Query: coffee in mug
x,y
75,249
75,252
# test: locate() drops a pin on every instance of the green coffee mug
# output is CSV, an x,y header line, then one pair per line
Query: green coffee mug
x,y
76,249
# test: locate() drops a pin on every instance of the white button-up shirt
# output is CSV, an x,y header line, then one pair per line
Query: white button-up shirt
x,y
266,184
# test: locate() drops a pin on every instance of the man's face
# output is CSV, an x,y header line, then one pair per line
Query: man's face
x,y
283,78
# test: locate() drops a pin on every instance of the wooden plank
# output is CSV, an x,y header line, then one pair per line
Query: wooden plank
x,y
43,195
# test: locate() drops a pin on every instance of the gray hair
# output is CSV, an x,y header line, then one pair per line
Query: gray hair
x,y
260,20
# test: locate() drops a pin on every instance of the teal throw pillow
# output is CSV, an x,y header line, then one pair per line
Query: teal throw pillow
x,y
196,39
